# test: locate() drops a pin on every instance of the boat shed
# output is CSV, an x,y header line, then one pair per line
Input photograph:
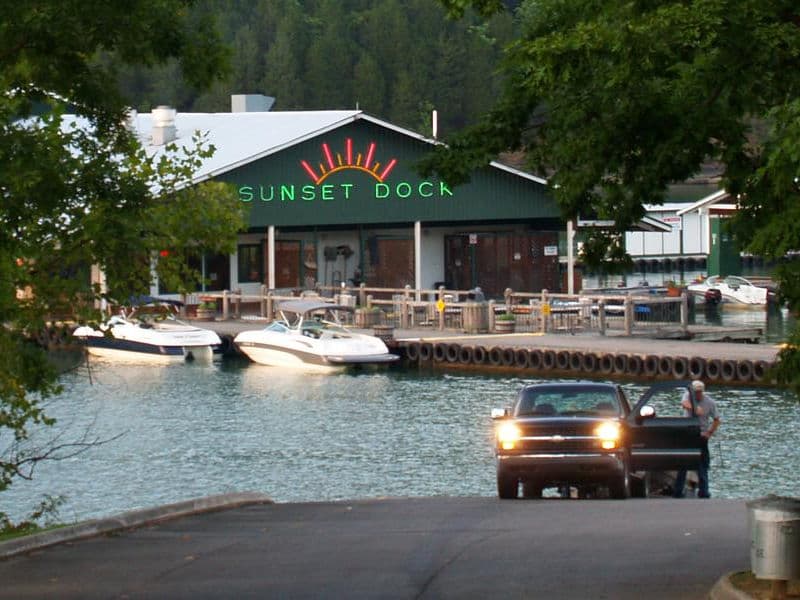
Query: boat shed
x,y
334,197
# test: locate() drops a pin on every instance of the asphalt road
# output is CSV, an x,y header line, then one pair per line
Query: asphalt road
x,y
404,548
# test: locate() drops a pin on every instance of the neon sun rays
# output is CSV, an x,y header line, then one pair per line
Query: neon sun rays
x,y
330,166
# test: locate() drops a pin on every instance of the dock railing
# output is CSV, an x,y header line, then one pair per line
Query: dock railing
x,y
450,309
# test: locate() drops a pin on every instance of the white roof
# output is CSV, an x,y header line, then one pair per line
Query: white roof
x,y
240,138
711,199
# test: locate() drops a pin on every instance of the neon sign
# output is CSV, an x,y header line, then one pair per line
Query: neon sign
x,y
328,167
336,163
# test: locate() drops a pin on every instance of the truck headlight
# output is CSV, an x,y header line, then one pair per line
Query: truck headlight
x,y
508,435
609,433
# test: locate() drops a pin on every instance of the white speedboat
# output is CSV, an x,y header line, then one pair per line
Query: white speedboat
x,y
309,335
731,290
160,339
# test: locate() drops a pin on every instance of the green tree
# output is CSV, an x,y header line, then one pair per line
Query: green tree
x,y
369,85
282,77
80,192
614,101
329,60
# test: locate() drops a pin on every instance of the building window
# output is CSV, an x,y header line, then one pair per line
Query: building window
x,y
251,263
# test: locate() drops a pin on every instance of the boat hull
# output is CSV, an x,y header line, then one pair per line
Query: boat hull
x,y
132,352
128,342
280,357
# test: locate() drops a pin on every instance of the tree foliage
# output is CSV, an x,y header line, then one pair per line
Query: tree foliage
x,y
82,191
393,59
615,100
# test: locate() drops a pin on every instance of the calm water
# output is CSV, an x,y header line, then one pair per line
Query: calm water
x,y
193,430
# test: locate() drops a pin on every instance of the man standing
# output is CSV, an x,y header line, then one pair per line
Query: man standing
x,y
705,409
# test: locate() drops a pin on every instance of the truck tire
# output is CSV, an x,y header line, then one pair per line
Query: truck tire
x,y
507,485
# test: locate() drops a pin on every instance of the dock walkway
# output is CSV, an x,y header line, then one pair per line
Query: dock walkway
x,y
563,355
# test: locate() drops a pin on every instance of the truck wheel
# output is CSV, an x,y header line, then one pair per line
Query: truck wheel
x,y
640,486
621,488
507,486
531,489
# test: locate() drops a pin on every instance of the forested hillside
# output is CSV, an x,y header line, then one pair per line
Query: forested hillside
x,y
394,59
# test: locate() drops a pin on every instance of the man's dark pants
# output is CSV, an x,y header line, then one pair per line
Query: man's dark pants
x,y
702,475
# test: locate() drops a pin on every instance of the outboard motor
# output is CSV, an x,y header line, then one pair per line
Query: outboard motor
x,y
713,297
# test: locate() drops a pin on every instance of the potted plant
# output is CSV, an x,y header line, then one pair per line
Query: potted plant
x,y
673,290
505,323
206,311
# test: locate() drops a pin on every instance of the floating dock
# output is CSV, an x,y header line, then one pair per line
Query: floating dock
x,y
596,357
563,355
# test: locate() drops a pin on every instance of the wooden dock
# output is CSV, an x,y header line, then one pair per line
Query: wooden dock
x,y
586,355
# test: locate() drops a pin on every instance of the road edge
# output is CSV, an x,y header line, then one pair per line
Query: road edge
x,y
129,520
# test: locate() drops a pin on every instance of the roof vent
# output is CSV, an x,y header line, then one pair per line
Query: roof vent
x,y
163,125
251,103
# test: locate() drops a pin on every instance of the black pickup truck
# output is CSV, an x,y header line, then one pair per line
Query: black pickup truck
x,y
586,435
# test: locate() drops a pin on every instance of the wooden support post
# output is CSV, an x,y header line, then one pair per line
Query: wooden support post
x,y
545,311
225,305
684,312
628,312
404,307
263,301
601,315
362,294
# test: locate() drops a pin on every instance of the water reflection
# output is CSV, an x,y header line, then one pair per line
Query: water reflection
x,y
776,322
192,430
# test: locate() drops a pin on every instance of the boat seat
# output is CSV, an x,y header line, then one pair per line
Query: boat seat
x,y
544,409
605,407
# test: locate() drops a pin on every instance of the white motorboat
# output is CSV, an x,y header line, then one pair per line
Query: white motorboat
x,y
309,335
730,290
148,338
